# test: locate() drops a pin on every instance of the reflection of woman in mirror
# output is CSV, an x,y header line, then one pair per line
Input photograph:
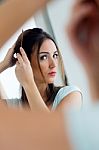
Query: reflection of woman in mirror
x,y
36,68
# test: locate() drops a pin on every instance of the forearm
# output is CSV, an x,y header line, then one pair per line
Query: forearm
x,y
2,66
14,13
34,98
26,130
3,94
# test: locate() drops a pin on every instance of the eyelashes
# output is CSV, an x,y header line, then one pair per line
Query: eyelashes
x,y
56,55
46,56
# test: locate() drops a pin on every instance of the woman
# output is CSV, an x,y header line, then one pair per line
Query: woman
x,y
36,68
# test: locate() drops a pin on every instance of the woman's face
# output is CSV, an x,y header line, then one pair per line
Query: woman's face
x,y
48,59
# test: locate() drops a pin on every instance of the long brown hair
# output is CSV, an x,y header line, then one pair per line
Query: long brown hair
x,y
31,41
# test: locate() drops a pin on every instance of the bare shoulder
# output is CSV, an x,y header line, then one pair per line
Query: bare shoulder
x,y
74,99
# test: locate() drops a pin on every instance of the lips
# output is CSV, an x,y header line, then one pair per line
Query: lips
x,y
52,73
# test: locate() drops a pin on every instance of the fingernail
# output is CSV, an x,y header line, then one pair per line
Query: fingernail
x,y
21,48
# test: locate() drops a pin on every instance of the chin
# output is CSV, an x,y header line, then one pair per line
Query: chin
x,y
50,81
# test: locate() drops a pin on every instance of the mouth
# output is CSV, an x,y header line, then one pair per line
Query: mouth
x,y
52,74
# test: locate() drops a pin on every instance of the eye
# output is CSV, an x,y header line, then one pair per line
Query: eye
x,y
56,55
44,57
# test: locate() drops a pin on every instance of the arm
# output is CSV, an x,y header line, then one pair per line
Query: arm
x,y
72,100
2,66
13,13
3,95
24,74
8,61
38,131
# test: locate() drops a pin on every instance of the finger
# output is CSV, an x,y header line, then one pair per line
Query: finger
x,y
19,58
17,63
24,56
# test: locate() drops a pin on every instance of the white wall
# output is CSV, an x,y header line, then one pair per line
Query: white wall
x,y
58,15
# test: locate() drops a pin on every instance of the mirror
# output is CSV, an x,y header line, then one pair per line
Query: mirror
x,y
54,20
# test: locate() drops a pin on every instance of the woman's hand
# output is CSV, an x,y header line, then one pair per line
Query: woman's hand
x,y
23,69
25,76
83,31
8,61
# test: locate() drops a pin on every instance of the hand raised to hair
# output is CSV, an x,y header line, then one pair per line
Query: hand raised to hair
x,y
23,69
83,31
9,59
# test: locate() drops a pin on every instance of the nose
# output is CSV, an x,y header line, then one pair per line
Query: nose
x,y
52,63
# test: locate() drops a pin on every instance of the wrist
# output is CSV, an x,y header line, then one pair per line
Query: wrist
x,y
3,66
29,85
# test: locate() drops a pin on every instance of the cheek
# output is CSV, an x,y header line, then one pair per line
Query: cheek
x,y
56,63
44,67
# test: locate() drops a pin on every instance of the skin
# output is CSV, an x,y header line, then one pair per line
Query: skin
x,y
2,92
48,60
34,129
7,62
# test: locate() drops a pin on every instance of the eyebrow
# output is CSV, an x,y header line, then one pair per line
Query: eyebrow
x,y
46,52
